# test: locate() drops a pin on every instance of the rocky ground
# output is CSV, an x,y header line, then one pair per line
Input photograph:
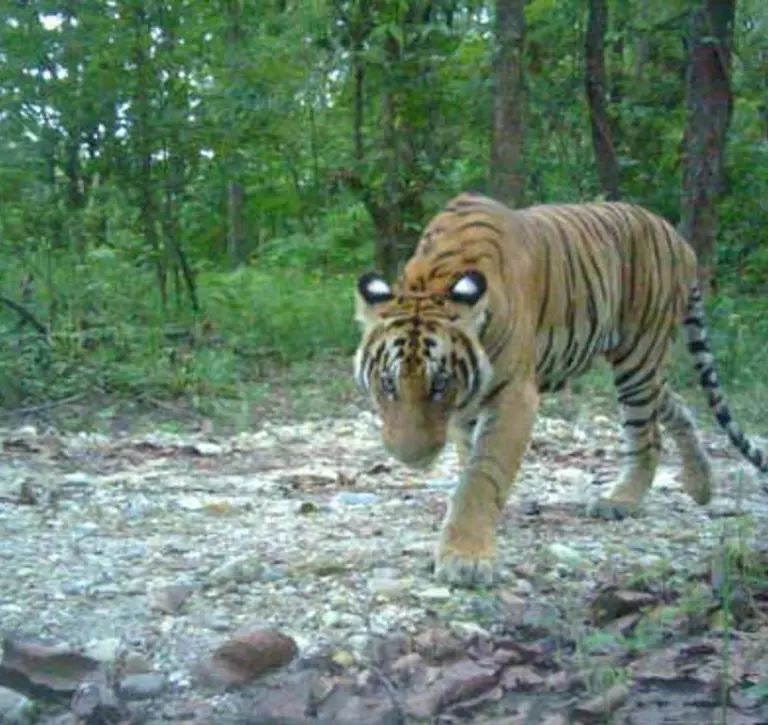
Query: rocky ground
x,y
284,576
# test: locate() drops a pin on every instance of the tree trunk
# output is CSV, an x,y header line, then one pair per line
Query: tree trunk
x,y
236,232
709,102
145,180
509,97
385,253
602,131
236,227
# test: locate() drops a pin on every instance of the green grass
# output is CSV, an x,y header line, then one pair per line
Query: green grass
x,y
110,333
269,341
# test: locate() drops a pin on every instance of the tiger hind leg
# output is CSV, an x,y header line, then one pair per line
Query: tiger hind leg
x,y
696,476
639,391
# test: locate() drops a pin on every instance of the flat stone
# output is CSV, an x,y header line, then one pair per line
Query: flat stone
x,y
142,686
15,709
355,498
435,594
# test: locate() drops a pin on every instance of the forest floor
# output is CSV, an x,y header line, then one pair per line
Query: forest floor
x,y
153,576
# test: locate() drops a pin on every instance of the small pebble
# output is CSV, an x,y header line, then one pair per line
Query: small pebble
x,y
103,650
15,709
389,587
565,554
435,594
142,686
355,498
241,570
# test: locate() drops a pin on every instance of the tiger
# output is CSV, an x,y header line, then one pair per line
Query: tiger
x,y
498,306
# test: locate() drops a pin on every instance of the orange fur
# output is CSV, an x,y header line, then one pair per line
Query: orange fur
x,y
498,306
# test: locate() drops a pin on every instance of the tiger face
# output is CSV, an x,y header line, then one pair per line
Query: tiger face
x,y
421,360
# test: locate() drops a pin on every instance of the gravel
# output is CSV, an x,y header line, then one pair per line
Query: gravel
x,y
159,548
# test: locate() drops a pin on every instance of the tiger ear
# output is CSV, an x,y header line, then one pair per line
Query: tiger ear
x,y
469,288
372,290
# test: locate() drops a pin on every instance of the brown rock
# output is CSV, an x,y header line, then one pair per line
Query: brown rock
x,y
246,657
438,646
612,603
403,668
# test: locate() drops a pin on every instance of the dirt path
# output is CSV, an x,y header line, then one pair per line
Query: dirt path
x,y
158,550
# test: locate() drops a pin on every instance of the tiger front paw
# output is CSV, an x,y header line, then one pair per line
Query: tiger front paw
x,y
608,509
466,563
466,571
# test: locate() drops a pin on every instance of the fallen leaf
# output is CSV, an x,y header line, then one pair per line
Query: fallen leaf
x,y
611,603
378,468
519,677
59,670
597,708
563,681
463,681
625,625
504,656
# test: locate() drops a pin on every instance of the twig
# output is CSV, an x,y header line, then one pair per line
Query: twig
x,y
47,406
391,690
26,316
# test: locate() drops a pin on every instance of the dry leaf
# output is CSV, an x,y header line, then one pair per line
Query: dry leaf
x,y
599,707
48,667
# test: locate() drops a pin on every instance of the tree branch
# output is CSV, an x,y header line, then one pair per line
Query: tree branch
x,y
26,316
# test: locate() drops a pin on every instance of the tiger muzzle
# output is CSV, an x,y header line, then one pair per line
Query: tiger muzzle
x,y
416,451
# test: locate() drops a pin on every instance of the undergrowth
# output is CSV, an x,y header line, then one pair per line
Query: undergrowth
x,y
110,335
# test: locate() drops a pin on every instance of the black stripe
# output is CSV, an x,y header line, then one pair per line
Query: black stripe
x,y
547,276
697,346
494,392
622,379
481,223
632,402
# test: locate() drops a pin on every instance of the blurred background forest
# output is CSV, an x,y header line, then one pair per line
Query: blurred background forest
x,y
189,188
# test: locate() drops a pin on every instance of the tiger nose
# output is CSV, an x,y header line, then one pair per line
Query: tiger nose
x,y
413,453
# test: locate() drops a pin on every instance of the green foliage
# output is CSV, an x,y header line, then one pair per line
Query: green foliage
x,y
128,130
257,320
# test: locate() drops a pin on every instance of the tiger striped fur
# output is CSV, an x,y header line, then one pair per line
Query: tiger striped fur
x,y
498,306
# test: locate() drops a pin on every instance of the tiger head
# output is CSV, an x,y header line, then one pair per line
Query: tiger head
x,y
421,360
